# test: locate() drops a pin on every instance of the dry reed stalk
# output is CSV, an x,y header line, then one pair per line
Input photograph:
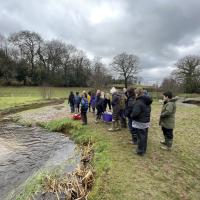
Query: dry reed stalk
x,y
75,185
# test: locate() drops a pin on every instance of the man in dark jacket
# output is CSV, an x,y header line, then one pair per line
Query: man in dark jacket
x,y
71,101
128,109
141,119
99,106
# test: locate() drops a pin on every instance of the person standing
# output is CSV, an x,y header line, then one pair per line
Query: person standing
x,y
116,110
141,120
92,102
167,120
77,102
107,102
71,101
89,99
84,108
99,106
128,109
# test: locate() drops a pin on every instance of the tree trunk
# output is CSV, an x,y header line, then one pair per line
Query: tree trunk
x,y
126,83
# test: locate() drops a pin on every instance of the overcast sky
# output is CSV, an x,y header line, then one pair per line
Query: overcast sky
x,y
159,32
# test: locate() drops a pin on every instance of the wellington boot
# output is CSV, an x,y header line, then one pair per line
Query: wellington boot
x,y
166,148
113,126
163,142
118,126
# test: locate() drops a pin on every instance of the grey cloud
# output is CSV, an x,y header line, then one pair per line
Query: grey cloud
x,y
152,30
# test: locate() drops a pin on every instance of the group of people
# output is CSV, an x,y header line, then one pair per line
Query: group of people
x,y
130,104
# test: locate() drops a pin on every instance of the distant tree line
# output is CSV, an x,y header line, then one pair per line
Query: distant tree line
x,y
27,59
186,77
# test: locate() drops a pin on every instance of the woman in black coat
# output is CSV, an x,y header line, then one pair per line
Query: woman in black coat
x,y
141,119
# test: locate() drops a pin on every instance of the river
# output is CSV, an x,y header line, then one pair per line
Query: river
x,y
26,150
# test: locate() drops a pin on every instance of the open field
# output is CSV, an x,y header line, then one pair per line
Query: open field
x,y
120,174
16,96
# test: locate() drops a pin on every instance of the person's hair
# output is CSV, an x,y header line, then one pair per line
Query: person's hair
x,y
139,91
85,94
77,93
71,92
168,94
131,92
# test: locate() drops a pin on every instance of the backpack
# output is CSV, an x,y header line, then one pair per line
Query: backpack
x,y
84,104
122,101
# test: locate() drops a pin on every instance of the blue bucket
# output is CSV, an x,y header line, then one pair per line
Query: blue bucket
x,y
107,117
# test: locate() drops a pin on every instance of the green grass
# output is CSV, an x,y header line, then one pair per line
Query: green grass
x,y
32,185
8,102
159,174
120,174
17,96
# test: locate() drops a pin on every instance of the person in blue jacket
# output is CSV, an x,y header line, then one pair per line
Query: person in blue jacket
x,y
84,108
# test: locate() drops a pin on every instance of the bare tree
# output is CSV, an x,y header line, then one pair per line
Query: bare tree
x,y
188,73
170,84
99,75
28,44
127,66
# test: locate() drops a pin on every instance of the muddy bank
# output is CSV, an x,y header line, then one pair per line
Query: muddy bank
x,y
40,115
193,101
24,151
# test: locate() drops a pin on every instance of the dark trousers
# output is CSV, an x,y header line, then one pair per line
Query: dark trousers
x,y
72,107
77,108
132,131
142,136
122,119
107,102
168,133
99,113
84,117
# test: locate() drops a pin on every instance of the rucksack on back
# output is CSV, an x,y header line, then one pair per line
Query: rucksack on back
x,y
122,101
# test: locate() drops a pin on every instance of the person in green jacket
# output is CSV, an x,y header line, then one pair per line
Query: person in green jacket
x,y
167,120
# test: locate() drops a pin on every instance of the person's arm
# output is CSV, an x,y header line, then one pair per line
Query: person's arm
x,y
168,111
68,99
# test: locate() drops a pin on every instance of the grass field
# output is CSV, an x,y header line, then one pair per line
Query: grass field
x,y
120,174
159,174
16,96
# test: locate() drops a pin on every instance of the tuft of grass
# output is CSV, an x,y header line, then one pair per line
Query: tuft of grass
x,y
32,186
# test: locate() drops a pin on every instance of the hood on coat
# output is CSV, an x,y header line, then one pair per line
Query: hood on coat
x,y
146,99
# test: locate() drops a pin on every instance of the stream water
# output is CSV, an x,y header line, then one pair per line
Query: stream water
x,y
24,151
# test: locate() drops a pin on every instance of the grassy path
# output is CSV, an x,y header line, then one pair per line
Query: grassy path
x,y
159,174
